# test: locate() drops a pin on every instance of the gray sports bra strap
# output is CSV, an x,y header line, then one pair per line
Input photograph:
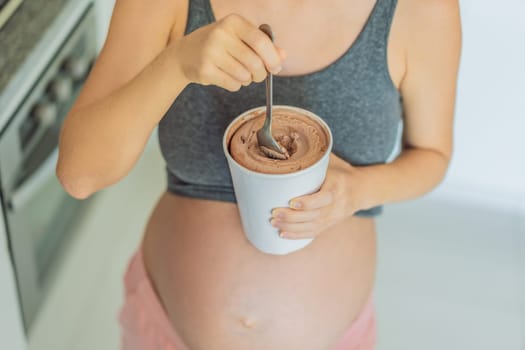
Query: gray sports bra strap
x,y
354,95
199,14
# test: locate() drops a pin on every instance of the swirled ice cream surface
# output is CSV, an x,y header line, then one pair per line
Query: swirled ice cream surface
x,y
304,139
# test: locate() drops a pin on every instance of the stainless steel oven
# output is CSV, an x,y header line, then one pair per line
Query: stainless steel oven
x,y
38,211
7,7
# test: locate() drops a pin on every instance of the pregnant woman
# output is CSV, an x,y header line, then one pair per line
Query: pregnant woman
x,y
190,67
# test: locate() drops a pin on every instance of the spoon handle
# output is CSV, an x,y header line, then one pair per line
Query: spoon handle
x,y
269,83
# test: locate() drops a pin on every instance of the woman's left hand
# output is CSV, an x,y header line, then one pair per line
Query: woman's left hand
x,y
338,198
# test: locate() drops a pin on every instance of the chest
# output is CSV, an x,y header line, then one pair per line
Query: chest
x,y
354,94
313,33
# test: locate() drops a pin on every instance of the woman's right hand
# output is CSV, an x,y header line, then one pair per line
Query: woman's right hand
x,y
229,53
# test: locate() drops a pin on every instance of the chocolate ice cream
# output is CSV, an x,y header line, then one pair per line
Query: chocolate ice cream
x,y
304,139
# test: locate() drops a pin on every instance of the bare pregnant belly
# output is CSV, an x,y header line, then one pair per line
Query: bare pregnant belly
x,y
221,293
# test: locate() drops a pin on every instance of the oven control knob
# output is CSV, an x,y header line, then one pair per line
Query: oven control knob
x,y
46,113
77,67
61,88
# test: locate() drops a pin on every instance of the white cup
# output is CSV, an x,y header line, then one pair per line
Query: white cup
x,y
258,193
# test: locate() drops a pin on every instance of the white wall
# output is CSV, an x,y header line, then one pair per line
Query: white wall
x,y
489,153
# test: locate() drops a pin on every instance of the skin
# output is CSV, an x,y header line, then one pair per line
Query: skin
x,y
432,46
260,301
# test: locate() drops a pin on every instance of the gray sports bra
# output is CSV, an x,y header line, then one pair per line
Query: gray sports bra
x,y
354,95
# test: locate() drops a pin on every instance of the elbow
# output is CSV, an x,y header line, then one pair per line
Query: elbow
x,y
442,165
76,186
445,158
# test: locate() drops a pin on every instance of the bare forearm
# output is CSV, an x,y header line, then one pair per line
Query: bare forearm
x,y
415,172
100,142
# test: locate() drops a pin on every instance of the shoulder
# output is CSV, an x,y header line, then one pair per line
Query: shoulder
x,y
431,31
159,15
421,11
139,30
164,8
424,20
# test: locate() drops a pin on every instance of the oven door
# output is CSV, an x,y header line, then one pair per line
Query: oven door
x,y
39,216
7,7
38,212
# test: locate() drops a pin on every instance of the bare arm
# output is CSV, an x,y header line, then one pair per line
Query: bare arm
x,y
138,75
428,90
128,90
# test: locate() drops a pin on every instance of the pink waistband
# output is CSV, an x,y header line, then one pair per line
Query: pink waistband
x,y
147,305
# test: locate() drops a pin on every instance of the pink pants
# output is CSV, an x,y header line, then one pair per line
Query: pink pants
x,y
145,325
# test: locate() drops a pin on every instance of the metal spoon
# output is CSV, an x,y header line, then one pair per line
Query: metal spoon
x,y
267,143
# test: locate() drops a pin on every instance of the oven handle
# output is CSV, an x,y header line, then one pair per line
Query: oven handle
x,y
23,194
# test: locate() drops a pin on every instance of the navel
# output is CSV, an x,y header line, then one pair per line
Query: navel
x,y
248,322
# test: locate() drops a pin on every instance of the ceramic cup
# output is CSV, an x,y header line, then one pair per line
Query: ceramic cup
x,y
258,193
